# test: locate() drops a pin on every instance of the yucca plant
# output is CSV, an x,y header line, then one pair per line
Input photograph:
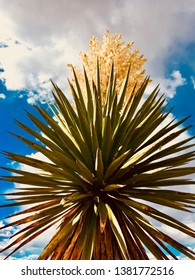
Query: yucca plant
x,y
108,161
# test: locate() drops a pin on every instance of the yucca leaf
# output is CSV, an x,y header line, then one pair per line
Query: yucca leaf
x,y
90,106
90,238
175,148
98,84
65,108
168,198
85,171
66,228
107,139
67,249
112,187
123,90
135,247
116,164
110,93
99,166
126,124
117,231
36,163
36,234
82,238
164,131
84,123
94,141
136,225
97,113
79,92
166,219
114,115
103,213
65,139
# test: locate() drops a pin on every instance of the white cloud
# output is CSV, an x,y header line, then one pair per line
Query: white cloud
x,y
169,85
2,96
6,233
31,249
30,69
193,81
43,36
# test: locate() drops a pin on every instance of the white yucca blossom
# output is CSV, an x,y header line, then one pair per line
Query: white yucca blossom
x,y
112,49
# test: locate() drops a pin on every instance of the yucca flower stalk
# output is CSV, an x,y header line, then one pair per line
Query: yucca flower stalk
x,y
107,162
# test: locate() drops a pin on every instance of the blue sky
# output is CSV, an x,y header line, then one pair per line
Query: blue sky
x,y
39,38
